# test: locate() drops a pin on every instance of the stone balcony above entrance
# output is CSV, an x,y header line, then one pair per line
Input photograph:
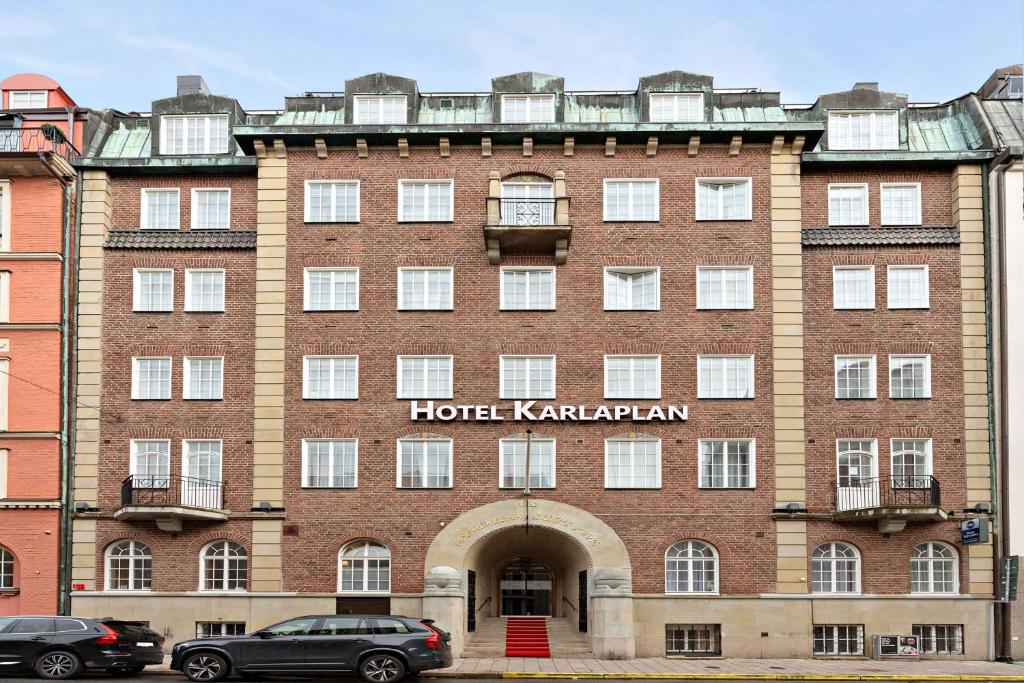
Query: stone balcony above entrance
x,y
889,501
168,500
527,225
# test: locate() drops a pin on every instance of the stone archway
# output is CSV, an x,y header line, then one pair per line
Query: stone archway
x,y
599,549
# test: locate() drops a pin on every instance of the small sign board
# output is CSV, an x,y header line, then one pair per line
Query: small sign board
x,y
974,530
1010,568
895,647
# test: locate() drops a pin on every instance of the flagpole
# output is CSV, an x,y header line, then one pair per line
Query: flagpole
x,y
526,482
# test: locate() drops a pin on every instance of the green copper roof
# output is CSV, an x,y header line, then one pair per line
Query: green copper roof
x,y
126,143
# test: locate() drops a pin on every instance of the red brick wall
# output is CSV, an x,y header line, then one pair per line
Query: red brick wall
x,y
35,291
37,214
33,537
936,193
126,197
34,385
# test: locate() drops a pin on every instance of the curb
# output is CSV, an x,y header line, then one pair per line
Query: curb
x,y
524,675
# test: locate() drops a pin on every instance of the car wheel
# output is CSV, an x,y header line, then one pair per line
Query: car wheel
x,y
204,666
57,665
382,669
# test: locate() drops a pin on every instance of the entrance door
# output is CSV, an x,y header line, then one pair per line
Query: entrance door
x,y
200,485
584,598
471,600
526,589
857,479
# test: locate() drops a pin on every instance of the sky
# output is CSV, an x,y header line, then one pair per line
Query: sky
x,y
125,54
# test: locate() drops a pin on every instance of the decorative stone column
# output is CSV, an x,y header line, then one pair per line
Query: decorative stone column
x,y
611,613
444,601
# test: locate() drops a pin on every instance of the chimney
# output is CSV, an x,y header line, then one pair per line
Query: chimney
x,y
863,85
192,85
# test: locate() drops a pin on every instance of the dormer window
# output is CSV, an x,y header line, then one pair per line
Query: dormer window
x,y
676,107
527,108
863,130
379,109
203,134
27,99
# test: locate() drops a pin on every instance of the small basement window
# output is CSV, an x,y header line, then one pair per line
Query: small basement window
x,y
693,640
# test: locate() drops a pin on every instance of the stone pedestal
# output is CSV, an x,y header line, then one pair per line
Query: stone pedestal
x,y
445,602
611,614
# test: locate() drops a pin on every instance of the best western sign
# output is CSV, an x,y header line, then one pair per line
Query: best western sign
x,y
529,411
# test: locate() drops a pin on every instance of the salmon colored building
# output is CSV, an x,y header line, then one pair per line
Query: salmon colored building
x,y
40,133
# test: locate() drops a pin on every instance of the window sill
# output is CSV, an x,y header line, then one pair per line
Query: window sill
x,y
9,591
424,488
170,310
151,399
346,398
627,221
692,595
204,312
527,310
306,487
207,400
723,220
447,221
632,310
330,310
309,222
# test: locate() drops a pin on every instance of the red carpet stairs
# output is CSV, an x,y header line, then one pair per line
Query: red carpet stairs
x,y
526,637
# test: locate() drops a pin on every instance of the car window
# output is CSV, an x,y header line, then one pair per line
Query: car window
x,y
5,622
343,626
385,626
131,629
64,625
294,627
33,625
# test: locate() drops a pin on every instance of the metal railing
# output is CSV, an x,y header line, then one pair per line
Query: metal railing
x,y
527,212
171,490
38,140
901,491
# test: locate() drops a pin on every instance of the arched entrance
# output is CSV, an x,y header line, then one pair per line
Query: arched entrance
x,y
515,556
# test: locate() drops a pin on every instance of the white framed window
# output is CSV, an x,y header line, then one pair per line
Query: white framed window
x,y
691,567
512,462
151,378
527,289
633,377
727,464
202,134
725,287
908,286
152,290
901,203
848,204
910,376
5,296
837,640
725,376
863,129
330,289
224,566
425,377
853,287
631,199
835,568
856,466
27,99
7,575
203,378
676,107
693,640
330,463
332,201
150,463
426,289
527,108
201,461
364,567
527,203
204,290
424,463
527,377
5,368
378,110
632,289
426,201
5,214
632,462
211,208
855,377
129,566
330,377
939,639
911,463
724,199
160,210
219,629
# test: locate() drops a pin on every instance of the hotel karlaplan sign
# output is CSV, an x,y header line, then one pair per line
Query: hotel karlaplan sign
x,y
529,411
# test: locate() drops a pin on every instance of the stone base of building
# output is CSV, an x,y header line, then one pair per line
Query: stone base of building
x,y
626,627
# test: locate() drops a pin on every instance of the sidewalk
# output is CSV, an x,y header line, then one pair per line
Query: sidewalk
x,y
712,669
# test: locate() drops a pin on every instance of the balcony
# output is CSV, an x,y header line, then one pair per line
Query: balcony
x,y
169,500
889,501
527,225
35,151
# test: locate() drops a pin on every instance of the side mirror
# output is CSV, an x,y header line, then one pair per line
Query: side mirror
x,y
263,634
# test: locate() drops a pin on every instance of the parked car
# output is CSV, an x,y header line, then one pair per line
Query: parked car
x,y
381,649
62,647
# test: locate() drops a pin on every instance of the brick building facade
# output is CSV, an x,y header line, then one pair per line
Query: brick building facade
x,y
268,299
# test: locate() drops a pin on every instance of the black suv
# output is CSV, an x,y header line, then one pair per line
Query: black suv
x,y
62,647
381,649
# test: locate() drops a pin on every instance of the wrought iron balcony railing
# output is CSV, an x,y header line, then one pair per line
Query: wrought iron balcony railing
x,y
527,212
888,492
171,491
48,140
